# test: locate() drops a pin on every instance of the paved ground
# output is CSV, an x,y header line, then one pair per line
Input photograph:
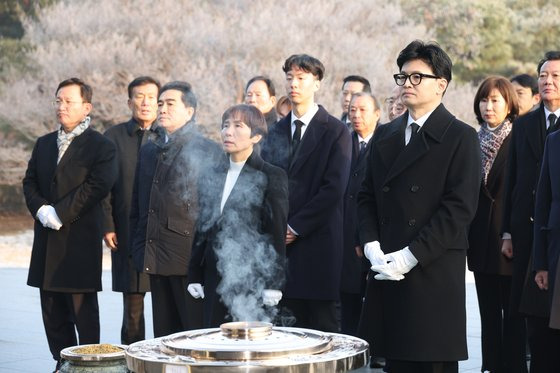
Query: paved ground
x,y
23,345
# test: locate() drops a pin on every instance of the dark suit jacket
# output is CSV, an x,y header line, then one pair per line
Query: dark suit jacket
x,y
485,237
69,260
422,196
117,205
165,201
353,267
546,244
242,236
524,162
317,179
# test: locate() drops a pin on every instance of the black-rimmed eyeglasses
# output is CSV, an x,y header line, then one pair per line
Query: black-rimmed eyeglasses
x,y
415,78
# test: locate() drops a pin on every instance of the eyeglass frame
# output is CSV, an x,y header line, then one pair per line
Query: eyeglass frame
x,y
409,76
57,103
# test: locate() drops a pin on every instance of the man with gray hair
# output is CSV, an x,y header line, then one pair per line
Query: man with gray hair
x,y
165,209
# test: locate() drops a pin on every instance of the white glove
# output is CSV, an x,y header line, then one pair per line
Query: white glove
x,y
398,263
48,217
271,297
196,290
372,251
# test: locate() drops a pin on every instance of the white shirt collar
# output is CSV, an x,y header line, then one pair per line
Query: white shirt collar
x,y
420,121
368,137
547,113
306,118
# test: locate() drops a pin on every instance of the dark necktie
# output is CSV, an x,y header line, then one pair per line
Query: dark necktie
x,y
414,130
553,123
362,147
296,139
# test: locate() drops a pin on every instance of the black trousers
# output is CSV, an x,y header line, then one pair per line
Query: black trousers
x,y
399,366
493,292
66,313
174,310
545,346
312,314
133,325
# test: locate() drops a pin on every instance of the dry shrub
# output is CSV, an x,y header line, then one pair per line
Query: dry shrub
x,y
215,45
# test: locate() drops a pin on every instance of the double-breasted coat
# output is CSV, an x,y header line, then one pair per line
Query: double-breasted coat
x,y
485,236
317,179
422,196
353,267
69,260
546,244
127,138
528,135
254,214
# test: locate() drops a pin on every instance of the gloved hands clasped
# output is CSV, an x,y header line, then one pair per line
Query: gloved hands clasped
x,y
48,217
395,266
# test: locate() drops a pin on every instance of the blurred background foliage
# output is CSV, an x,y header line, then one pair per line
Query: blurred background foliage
x,y
217,45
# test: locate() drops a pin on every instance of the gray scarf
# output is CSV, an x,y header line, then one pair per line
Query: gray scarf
x,y
64,139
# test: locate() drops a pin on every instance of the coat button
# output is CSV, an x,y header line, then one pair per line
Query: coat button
x,y
351,196
147,268
531,219
156,181
412,222
384,221
414,188
386,189
355,174
150,241
150,211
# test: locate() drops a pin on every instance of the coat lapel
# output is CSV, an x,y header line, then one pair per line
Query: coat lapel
x,y
434,129
392,145
312,137
536,133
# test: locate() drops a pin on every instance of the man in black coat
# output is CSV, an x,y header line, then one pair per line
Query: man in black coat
x,y
525,158
315,150
260,93
70,171
128,137
419,195
364,113
165,207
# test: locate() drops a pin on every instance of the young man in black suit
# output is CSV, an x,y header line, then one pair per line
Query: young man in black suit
x,y
419,195
70,171
315,150
128,137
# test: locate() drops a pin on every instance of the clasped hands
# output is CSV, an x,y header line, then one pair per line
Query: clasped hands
x,y
270,297
48,217
392,266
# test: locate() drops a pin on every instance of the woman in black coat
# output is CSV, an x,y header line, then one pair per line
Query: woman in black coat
x,y
238,256
495,106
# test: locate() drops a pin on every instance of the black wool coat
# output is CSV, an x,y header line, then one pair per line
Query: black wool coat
x,y
485,237
116,206
528,135
165,201
254,214
69,260
422,196
546,244
353,267
317,178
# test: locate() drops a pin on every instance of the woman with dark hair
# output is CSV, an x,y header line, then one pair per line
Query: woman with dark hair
x,y
238,257
495,106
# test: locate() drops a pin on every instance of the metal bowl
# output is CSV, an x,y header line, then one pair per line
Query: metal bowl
x,y
236,346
